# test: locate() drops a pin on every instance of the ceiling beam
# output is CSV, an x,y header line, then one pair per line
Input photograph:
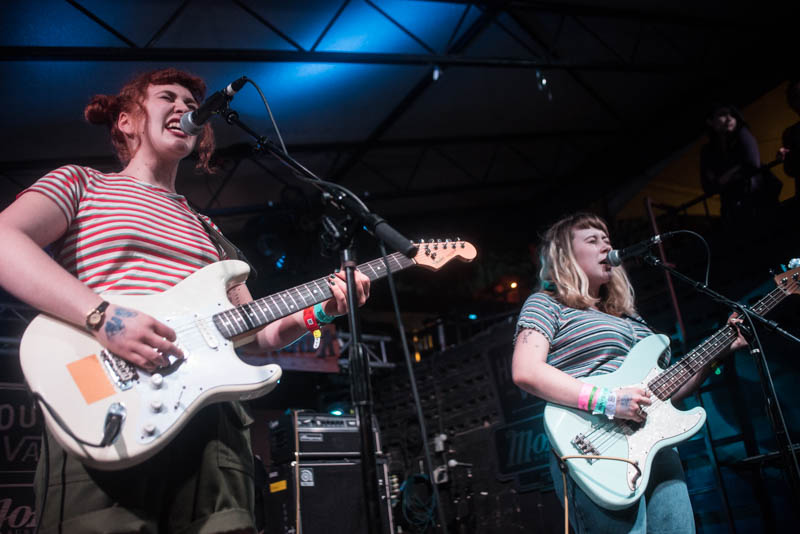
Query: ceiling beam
x,y
241,150
719,19
217,55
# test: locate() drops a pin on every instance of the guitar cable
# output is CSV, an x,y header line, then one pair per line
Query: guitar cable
x,y
110,430
562,465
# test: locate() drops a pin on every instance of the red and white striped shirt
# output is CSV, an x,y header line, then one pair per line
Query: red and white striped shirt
x,y
124,236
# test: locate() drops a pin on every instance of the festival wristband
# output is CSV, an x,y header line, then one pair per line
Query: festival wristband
x,y
312,325
583,397
322,317
602,397
611,406
592,399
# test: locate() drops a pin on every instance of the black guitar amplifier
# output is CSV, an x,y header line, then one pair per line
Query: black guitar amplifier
x,y
323,497
300,435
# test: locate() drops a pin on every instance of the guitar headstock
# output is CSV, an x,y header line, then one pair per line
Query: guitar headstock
x,y
789,281
434,254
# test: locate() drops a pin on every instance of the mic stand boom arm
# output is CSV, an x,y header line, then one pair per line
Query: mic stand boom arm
x,y
344,201
779,428
769,324
332,194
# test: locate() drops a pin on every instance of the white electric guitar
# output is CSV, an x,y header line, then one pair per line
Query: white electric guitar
x,y
113,415
615,484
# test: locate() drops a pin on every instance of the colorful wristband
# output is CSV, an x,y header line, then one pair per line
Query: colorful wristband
x,y
312,325
611,406
583,397
602,397
592,399
321,316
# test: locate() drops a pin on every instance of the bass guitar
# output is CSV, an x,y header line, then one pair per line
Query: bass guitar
x,y
113,415
614,484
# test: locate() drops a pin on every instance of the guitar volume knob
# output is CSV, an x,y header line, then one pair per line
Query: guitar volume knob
x,y
157,380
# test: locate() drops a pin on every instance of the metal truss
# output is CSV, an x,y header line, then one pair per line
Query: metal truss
x,y
13,318
540,53
375,346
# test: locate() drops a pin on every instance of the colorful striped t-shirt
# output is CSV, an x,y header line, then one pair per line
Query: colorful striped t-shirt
x,y
124,236
582,342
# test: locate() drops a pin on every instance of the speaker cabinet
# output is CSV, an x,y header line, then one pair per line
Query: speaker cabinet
x,y
323,497
304,435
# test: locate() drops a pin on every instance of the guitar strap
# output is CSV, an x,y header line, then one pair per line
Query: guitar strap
x,y
224,246
664,360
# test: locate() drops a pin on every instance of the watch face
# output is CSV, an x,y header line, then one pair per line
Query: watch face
x,y
94,319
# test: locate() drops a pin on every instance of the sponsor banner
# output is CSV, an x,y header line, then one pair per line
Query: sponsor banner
x,y
301,355
523,451
20,429
515,403
16,510
20,446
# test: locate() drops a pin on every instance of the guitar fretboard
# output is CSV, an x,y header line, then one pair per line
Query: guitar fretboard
x,y
237,321
673,378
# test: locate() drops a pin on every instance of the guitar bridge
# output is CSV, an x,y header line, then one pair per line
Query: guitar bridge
x,y
121,372
585,446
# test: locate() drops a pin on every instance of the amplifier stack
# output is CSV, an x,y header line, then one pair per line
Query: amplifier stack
x,y
314,481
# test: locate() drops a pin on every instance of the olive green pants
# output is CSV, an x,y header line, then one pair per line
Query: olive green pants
x,y
202,482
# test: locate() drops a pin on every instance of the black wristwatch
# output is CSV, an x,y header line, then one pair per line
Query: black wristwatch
x,y
94,319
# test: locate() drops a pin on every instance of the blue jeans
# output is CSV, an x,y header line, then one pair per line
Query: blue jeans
x,y
664,508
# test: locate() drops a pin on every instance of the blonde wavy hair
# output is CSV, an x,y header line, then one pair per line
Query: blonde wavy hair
x,y
562,277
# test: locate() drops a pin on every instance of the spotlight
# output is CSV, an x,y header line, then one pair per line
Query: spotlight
x,y
472,316
437,72
513,285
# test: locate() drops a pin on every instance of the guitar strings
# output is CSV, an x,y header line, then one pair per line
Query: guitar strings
x,y
604,436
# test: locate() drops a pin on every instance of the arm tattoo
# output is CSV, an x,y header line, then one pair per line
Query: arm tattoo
x,y
114,325
624,402
524,335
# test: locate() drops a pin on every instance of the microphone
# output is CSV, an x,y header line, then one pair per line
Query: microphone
x,y
193,121
456,463
616,257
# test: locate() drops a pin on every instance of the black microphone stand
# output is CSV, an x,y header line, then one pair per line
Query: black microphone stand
x,y
779,428
339,237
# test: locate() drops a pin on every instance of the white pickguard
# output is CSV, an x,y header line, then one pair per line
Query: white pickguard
x,y
65,365
614,484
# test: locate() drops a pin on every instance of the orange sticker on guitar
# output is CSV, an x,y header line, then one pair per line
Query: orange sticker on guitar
x,y
91,379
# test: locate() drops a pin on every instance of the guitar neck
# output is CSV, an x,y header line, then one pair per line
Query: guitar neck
x,y
673,378
253,315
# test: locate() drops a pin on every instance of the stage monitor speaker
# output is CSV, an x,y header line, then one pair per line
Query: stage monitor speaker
x,y
300,435
323,497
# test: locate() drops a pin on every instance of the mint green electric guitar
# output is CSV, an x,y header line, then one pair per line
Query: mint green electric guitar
x,y
615,484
